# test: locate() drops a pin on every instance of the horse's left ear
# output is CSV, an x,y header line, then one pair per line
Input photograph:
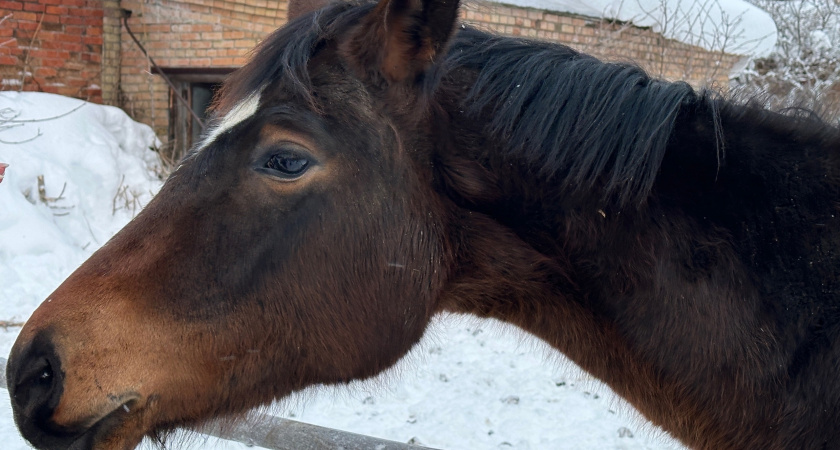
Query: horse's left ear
x,y
400,39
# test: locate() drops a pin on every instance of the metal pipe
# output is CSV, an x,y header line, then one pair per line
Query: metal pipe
x,y
125,15
275,433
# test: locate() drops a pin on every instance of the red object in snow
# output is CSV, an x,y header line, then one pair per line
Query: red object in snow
x,y
3,171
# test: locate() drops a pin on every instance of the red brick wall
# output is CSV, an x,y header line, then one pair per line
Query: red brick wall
x,y
52,46
187,33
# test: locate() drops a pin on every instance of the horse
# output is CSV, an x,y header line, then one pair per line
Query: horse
x,y
373,165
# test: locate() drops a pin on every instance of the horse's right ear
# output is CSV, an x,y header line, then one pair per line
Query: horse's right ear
x,y
298,8
400,39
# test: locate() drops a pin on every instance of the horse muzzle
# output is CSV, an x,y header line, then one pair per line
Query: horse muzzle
x,y
36,383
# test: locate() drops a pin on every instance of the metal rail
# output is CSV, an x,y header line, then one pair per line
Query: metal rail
x,y
275,433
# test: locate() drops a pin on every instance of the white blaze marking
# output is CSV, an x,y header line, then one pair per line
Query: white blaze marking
x,y
243,110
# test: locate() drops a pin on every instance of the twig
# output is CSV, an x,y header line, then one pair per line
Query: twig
x,y
5,18
45,119
90,229
51,201
28,53
9,119
6,324
4,127
37,135
120,190
8,115
42,191
123,193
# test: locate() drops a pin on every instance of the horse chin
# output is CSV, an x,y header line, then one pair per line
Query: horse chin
x,y
119,429
116,431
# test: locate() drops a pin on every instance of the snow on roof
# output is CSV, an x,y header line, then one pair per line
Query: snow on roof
x,y
733,26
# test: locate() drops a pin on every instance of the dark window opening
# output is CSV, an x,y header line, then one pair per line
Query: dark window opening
x,y
201,96
197,86
184,129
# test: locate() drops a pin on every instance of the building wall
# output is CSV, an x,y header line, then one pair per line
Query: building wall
x,y
186,33
111,52
52,46
189,33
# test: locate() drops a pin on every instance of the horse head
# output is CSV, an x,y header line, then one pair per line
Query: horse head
x,y
301,243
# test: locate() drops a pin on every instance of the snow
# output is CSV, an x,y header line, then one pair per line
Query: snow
x,y
802,70
471,384
733,26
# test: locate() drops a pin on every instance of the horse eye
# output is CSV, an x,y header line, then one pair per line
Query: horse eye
x,y
289,165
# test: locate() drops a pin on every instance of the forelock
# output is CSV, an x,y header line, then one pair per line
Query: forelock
x,y
284,55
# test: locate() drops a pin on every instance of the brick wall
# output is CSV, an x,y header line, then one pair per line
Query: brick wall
x,y
187,33
82,50
181,33
52,46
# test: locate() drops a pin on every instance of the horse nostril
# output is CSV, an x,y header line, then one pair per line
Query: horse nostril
x,y
35,382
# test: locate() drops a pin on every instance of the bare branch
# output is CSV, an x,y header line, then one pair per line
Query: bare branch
x,y
28,53
2,20
15,120
804,68
37,135
9,119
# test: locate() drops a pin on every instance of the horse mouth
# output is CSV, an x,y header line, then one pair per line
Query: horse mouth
x,y
101,433
106,429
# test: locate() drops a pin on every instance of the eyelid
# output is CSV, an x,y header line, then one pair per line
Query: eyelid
x,y
277,134
275,164
279,140
283,149
265,152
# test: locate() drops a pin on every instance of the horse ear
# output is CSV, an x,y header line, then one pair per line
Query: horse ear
x,y
298,8
400,39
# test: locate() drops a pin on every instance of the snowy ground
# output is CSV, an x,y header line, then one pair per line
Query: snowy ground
x,y
471,384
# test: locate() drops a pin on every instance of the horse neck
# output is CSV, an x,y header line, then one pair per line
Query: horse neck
x,y
610,287
504,274
532,258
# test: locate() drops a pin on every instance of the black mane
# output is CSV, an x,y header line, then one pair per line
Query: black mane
x,y
578,121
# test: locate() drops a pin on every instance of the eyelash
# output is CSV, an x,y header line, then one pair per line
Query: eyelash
x,y
286,160
288,164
